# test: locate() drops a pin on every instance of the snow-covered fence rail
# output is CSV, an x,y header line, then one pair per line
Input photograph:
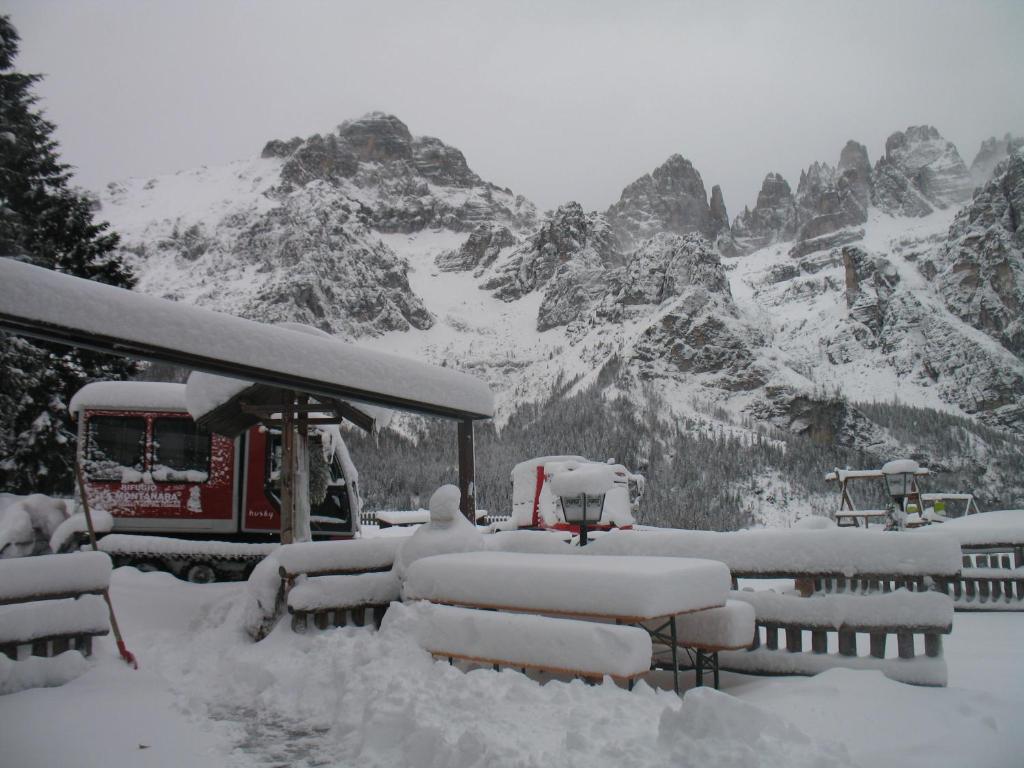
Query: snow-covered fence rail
x,y
849,583
51,604
780,554
992,573
833,622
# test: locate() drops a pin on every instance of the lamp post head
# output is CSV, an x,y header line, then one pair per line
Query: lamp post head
x,y
899,477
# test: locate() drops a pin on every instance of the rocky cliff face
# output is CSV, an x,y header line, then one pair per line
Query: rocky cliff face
x,y
992,152
919,163
568,257
772,219
672,199
980,269
371,232
298,235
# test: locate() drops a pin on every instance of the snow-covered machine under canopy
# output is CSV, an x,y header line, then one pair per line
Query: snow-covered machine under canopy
x,y
60,308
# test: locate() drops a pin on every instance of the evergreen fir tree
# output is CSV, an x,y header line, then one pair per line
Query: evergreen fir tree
x,y
46,222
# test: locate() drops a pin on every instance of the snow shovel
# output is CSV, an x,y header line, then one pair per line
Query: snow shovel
x,y
127,655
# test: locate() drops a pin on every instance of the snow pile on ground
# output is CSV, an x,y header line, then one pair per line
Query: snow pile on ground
x,y
40,672
448,531
102,522
206,696
28,522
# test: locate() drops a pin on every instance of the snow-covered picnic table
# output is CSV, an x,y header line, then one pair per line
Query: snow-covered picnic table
x,y
649,593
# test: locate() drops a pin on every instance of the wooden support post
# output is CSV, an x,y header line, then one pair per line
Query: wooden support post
x,y
847,643
287,470
301,530
905,644
878,644
819,641
794,639
467,470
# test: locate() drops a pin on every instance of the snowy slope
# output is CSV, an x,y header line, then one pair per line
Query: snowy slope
x,y
367,233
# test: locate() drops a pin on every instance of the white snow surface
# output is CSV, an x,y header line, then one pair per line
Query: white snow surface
x,y
206,696
341,555
892,609
1005,526
524,639
828,551
129,395
27,621
102,522
54,574
589,586
348,591
59,300
40,672
730,626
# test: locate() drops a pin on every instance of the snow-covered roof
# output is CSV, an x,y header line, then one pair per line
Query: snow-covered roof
x,y
129,395
64,309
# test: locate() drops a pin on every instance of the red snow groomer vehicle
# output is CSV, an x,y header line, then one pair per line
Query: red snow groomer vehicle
x,y
534,505
199,505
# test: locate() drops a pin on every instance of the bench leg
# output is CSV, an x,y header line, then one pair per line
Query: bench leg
x,y
700,667
675,657
714,660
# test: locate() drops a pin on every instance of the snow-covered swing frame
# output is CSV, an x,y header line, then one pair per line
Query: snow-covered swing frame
x,y
848,515
62,309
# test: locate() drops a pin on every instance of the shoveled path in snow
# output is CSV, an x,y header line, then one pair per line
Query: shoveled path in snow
x,y
206,696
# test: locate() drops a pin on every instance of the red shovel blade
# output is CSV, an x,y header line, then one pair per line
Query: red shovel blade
x,y
127,655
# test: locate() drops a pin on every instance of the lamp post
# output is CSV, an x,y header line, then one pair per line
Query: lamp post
x,y
899,483
582,488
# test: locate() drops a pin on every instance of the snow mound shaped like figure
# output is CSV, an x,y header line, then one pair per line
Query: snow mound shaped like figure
x,y
447,532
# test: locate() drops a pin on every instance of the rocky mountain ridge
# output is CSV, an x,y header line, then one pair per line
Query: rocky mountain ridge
x,y
862,282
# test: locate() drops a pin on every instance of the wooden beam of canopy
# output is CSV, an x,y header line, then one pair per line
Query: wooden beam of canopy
x,y
60,308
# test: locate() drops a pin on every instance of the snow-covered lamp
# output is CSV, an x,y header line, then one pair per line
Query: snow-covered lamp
x,y
899,478
582,488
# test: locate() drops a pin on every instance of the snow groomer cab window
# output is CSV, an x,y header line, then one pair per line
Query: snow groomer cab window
x,y
181,452
115,448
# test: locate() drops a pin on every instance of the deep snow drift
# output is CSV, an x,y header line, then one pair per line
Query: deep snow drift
x,y
206,696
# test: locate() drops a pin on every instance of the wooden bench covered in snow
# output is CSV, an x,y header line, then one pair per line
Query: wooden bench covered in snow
x,y
705,634
857,570
525,641
907,622
992,573
651,593
335,583
51,604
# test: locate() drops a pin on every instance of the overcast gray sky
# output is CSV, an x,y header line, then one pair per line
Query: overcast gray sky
x,y
558,100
